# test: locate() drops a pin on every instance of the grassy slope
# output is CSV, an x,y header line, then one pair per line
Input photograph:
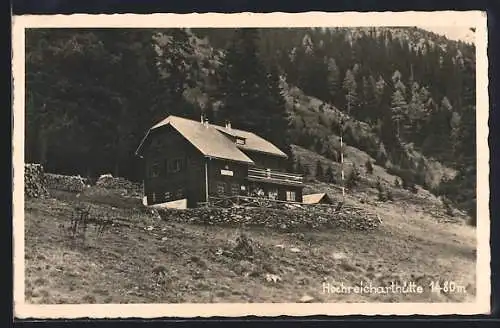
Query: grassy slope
x,y
411,245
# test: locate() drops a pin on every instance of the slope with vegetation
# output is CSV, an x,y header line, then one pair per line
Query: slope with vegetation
x,y
144,259
403,96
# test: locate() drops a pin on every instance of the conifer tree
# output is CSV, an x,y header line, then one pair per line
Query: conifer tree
x,y
319,171
398,108
329,175
369,167
278,119
333,80
350,90
243,82
178,70
370,110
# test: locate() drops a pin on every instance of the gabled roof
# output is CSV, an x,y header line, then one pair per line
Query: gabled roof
x,y
314,198
209,140
205,138
252,141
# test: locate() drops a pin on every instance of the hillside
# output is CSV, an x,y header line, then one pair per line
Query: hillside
x,y
145,259
316,117
404,96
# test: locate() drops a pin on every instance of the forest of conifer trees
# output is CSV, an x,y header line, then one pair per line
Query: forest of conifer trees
x,y
91,94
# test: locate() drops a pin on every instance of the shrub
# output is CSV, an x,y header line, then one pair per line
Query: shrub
x,y
353,177
369,167
383,193
382,196
390,195
379,185
329,175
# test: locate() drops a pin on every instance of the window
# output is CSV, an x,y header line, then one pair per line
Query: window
x,y
240,141
153,197
154,170
175,165
221,188
168,195
273,194
235,189
290,196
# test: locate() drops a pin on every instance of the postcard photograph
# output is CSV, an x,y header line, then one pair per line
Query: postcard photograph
x,y
265,164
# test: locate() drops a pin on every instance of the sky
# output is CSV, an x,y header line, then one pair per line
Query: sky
x,y
452,32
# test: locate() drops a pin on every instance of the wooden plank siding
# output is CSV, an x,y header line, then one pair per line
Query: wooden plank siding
x,y
167,150
165,147
263,160
226,177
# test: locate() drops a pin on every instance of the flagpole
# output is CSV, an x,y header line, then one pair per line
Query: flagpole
x,y
342,146
342,160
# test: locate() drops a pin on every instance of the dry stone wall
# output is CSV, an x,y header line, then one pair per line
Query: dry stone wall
x,y
34,181
109,182
65,182
285,220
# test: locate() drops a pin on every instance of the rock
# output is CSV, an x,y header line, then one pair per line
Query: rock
x,y
272,278
294,250
286,220
306,299
338,256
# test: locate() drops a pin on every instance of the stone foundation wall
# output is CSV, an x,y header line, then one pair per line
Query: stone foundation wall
x,y
286,220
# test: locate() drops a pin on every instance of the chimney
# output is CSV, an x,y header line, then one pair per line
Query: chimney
x,y
202,118
205,122
228,125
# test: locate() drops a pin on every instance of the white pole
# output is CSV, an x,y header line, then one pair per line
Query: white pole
x,y
342,163
206,180
342,146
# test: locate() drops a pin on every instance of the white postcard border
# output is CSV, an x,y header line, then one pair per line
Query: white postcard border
x,y
447,18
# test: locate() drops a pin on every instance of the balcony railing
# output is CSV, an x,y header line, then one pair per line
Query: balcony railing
x,y
255,174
